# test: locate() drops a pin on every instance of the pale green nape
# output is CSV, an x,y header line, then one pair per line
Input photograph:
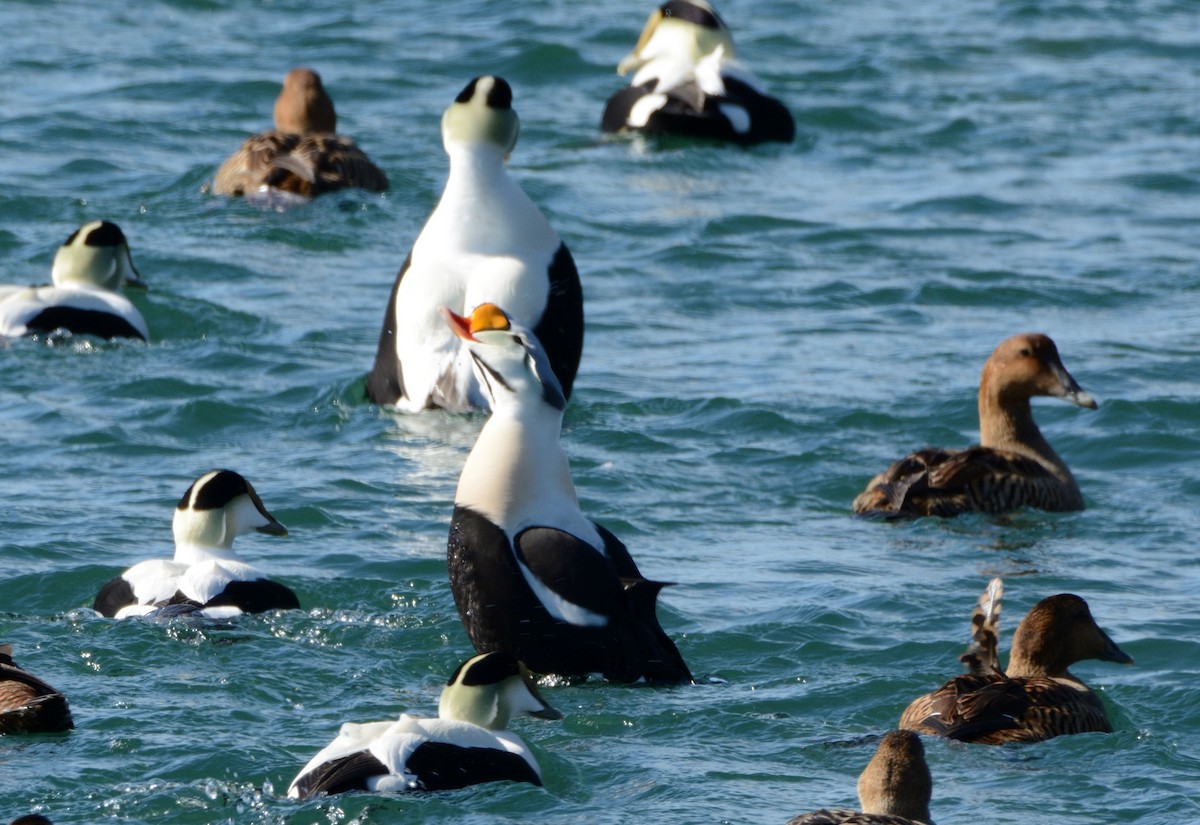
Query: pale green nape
x,y
476,122
478,704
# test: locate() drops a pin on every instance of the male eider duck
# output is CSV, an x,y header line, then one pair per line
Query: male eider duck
x,y
303,155
486,241
894,788
686,82
206,576
27,704
465,745
1013,465
530,573
1036,698
89,268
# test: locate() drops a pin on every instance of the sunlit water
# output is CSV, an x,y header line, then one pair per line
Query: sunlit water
x,y
766,329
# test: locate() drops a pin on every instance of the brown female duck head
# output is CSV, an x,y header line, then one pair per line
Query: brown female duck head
x,y
303,106
1058,632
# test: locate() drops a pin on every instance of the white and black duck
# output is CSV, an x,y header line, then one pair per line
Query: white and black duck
x,y
531,574
206,576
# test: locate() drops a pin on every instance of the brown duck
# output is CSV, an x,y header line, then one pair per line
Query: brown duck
x,y
894,788
1037,698
27,704
1013,465
303,155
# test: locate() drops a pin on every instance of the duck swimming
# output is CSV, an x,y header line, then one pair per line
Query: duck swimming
x,y
303,156
27,704
89,269
530,573
485,241
1013,465
894,788
1036,698
206,576
465,745
686,82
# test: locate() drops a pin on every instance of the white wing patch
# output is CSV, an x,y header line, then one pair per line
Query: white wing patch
x,y
557,606
647,105
738,117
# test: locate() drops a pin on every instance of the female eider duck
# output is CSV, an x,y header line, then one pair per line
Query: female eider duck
x,y
303,155
206,577
1013,465
485,241
465,745
1037,698
27,704
686,82
894,788
89,268
530,573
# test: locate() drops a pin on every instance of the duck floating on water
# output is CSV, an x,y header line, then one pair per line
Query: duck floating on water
x,y
303,156
89,269
530,573
1013,466
686,82
466,744
28,704
894,788
1036,698
485,241
206,576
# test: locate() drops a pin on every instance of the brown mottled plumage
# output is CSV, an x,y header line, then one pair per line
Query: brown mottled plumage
x,y
303,154
1013,465
1038,698
27,704
894,788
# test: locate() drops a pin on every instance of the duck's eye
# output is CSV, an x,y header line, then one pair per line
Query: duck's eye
x,y
520,341
1025,352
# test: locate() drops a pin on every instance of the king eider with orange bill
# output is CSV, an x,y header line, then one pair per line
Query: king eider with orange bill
x,y
485,241
532,575
206,577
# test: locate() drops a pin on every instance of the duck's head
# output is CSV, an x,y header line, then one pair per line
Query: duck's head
x,y
896,781
684,30
1026,365
489,689
303,106
1055,634
482,114
219,507
96,254
512,366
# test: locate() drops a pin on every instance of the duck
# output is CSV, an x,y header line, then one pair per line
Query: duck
x,y
687,82
894,788
1013,466
1037,697
303,156
466,744
206,577
485,241
530,573
89,269
28,704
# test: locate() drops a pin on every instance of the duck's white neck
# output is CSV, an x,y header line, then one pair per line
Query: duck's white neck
x,y
189,554
517,475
